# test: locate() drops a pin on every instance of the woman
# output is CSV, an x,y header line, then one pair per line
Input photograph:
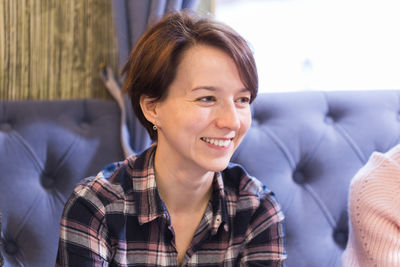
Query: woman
x,y
374,238
180,203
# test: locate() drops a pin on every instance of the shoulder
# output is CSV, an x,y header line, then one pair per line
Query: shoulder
x,y
252,197
374,190
100,190
113,184
373,209
381,172
238,181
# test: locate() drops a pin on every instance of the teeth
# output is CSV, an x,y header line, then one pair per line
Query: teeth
x,y
222,143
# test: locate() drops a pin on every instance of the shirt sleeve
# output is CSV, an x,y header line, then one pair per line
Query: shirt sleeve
x,y
374,202
83,233
265,240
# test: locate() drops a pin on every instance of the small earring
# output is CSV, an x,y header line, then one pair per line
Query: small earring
x,y
154,128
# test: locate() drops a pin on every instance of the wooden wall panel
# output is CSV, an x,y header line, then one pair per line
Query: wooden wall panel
x,y
52,49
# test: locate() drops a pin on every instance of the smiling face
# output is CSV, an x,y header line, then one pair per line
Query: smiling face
x,y
205,114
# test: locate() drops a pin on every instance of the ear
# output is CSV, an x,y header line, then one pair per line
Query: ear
x,y
149,109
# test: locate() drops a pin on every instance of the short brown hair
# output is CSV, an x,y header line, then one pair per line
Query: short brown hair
x,y
153,62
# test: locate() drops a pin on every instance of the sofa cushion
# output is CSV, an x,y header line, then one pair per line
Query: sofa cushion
x,y
46,148
306,147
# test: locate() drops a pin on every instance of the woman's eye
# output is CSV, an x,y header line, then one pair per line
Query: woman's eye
x,y
206,99
244,100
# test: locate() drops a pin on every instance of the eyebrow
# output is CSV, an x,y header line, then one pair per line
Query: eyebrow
x,y
213,89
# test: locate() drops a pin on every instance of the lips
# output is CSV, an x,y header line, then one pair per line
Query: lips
x,y
224,142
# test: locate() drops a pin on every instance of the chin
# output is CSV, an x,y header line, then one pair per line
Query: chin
x,y
217,166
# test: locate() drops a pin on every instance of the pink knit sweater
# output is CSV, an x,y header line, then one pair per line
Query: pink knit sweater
x,y
374,210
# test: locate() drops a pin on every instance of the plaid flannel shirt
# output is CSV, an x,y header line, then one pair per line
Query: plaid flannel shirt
x,y
118,219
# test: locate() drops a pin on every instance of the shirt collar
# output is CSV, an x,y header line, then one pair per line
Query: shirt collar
x,y
218,204
148,202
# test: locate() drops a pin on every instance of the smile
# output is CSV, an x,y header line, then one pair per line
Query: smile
x,y
217,142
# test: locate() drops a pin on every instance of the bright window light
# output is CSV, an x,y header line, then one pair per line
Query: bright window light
x,y
319,44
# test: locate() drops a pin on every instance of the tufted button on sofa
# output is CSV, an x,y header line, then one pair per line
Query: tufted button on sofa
x,y
45,148
305,146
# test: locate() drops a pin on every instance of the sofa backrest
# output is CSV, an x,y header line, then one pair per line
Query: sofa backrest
x,y
306,147
45,148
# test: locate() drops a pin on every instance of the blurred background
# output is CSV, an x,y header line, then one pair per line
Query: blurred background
x,y
320,44
51,49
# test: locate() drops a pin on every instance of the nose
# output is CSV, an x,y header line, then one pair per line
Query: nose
x,y
228,117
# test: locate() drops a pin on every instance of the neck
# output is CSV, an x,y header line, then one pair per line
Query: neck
x,y
184,190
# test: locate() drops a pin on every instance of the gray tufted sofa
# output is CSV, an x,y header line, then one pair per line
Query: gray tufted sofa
x,y
305,146
45,148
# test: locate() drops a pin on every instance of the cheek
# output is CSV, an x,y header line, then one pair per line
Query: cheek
x,y
191,120
246,121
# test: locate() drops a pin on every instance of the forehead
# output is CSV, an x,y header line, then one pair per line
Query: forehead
x,y
204,65
205,54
